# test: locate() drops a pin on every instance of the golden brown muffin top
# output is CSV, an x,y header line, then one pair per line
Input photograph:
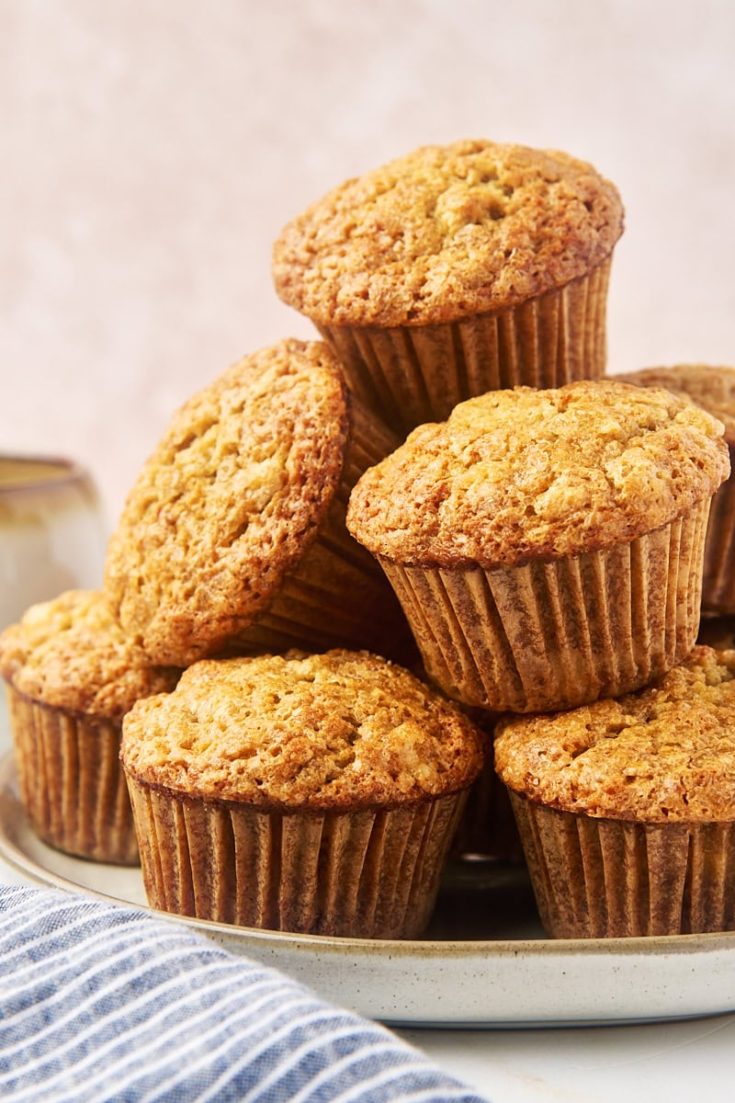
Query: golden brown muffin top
x,y
664,754
344,729
446,232
712,388
229,501
70,653
524,474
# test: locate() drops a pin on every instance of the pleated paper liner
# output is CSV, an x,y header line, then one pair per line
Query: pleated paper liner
x,y
604,878
553,635
371,874
718,584
337,596
413,374
487,828
71,781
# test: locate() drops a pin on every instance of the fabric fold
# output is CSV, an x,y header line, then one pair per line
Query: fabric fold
x,y
105,1003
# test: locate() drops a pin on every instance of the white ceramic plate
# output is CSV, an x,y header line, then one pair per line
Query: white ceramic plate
x,y
451,978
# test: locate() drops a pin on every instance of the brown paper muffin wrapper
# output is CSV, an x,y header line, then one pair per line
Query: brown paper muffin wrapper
x,y
337,595
487,828
718,584
367,874
413,374
71,781
549,636
602,878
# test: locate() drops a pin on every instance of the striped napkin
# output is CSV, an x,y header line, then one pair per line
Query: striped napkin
x,y
105,1003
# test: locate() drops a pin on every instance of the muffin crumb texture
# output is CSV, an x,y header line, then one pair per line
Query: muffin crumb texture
x,y
524,474
71,654
712,388
445,232
665,754
229,501
342,729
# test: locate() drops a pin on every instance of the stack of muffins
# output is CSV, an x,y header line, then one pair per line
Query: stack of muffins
x,y
542,532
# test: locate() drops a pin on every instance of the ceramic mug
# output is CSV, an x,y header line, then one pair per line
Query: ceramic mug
x,y
52,535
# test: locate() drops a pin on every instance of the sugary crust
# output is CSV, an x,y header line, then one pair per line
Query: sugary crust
x,y
340,730
523,474
712,388
229,501
665,754
71,654
446,232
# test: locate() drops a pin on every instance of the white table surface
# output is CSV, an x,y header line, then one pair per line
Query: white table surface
x,y
678,1062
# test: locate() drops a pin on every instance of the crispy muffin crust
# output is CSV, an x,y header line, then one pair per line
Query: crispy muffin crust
x,y
665,754
446,232
344,729
70,653
712,388
524,474
229,501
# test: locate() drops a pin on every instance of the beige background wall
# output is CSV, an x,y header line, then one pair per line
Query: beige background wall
x,y
151,150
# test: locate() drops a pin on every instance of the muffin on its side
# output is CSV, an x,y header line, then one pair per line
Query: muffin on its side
x,y
455,270
627,808
547,546
72,675
712,388
300,792
233,536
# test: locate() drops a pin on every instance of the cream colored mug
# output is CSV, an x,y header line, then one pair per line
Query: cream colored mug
x,y
52,534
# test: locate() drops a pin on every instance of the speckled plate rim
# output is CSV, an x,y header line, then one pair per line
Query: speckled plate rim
x,y
498,984
11,853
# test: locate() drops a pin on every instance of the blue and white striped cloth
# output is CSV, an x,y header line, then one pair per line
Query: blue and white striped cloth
x,y
105,1003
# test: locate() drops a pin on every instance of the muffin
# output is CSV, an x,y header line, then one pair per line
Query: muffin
x,y
233,537
487,828
547,546
712,388
71,677
626,808
457,270
301,792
